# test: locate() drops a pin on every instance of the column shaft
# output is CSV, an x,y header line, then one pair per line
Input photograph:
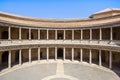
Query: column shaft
x,y
110,60
81,55
100,60
55,34
55,53
20,57
9,60
20,33
38,54
38,34
100,34
29,55
29,33
72,54
9,33
47,54
111,33
72,34
90,56
64,35
81,34
64,53
90,34
47,34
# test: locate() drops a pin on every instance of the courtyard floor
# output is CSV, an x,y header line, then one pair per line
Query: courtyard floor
x,y
60,70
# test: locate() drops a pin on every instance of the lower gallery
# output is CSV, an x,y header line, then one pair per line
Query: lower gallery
x,y
94,40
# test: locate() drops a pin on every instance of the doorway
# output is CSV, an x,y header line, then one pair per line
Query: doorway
x,y
60,53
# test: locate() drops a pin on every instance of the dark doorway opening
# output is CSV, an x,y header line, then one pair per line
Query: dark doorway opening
x,y
41,55
60,53
4,35
5,57
60,36
17,56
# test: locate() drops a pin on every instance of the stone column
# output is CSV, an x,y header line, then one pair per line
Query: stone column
x,y
64,34
38,34
72,54
20,57
47,53
9,60
110,60
72,34
100,34
90,56
47,34
29,55
111,33
55,53
38,54
100,60
9,33
90,34
81,34
29,33
20,33
55,34
64,53
81,55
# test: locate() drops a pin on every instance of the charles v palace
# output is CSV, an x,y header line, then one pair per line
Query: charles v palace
x,y
94,40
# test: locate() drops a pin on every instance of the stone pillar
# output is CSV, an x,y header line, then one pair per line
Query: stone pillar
x,y
81,34
55,34
47,34
64,53
38,34
9,33
29,55
90,34
72,54
29,33
38,54
90,56
111,33
20,57
100,34
20,33
81,55
64,34
47,53
55,53
9,60
100,58
110,60
72,34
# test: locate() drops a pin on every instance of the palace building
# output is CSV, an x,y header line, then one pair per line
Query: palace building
x,y
94,40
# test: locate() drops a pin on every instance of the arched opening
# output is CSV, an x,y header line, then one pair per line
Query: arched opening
x,y
60,53
60,36
4,35
5,57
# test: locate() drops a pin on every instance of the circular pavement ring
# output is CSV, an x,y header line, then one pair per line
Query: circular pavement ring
x,y
72,71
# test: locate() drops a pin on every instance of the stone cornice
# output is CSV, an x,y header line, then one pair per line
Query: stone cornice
x,y
56,23
105,25
102,47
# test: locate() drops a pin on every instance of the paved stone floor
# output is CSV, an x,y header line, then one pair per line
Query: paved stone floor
x,y
60,71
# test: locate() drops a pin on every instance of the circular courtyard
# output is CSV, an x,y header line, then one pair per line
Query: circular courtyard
x,y
59,70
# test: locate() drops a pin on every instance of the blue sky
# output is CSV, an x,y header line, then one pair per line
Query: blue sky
x,y
56,8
